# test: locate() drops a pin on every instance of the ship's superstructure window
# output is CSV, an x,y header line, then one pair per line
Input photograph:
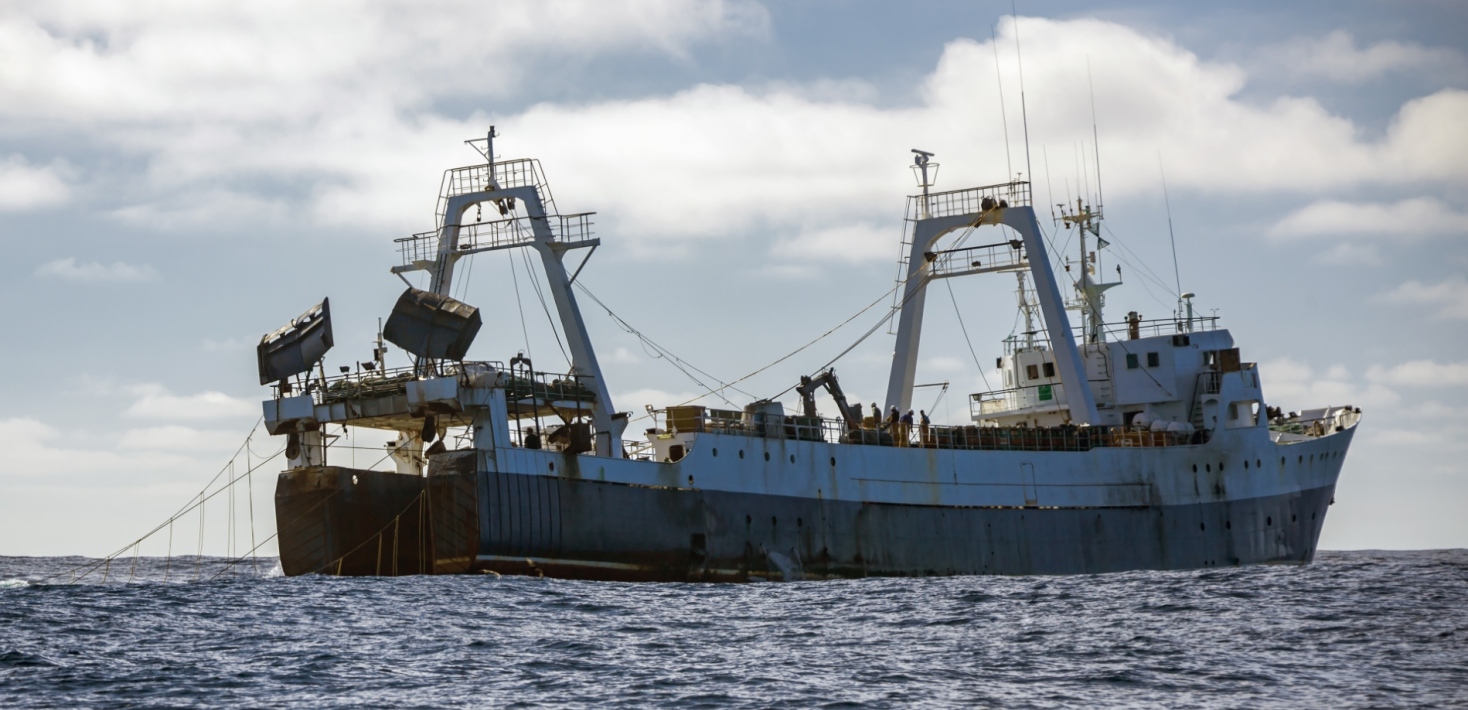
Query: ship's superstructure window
x,y
1131,361
1049,369
1153,360
1243,414
1032,371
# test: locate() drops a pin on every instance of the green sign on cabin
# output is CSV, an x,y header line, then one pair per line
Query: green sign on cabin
x,y
1045,394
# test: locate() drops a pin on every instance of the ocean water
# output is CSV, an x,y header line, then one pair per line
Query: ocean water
x,y
1354,629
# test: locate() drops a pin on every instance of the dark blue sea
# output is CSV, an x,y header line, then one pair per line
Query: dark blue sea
x,y
1354,629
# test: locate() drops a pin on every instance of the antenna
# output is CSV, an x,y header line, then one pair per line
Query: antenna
x,y
1168,203
1022,112
1003,115
1095,139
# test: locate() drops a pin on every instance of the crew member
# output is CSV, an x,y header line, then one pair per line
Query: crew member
x,y
532,440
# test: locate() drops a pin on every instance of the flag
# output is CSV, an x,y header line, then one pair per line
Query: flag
x,y
1101,243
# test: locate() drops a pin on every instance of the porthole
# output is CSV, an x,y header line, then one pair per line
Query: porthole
x,y
833,460
767,456
1220,465
1246,464
773,522
1195,468
799,522
792,458
1269,521
553,465
1203,526
1293,518
716,451
1228,525
690,480
748,520
1258,463
741,453
1208,467
1301,459
1281,460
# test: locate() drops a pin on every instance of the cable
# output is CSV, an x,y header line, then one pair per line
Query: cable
x,y
535,284
515,280
666,354
966,339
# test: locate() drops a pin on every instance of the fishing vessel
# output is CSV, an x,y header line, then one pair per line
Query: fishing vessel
x,y
1134,445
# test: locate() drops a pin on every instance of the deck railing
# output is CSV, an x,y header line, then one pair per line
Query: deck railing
x,y
496,234
693,420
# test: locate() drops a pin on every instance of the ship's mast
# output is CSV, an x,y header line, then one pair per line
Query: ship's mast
x,y
1026,309
1089,299
942,213
520,190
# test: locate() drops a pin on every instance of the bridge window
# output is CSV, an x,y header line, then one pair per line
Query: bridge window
x,y
1153,360
1032,372
1131,361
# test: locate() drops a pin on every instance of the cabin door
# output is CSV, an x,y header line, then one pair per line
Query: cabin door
x,y
1027,478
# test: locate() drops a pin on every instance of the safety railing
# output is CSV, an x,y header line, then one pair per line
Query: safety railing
x,y
991,257
1162,326
690,420
506,174
548,387
369,384
496,234
1317,423
969,201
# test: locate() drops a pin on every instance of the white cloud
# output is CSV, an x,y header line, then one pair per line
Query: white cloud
x,y
215,346
155,402
1350,254
636,400
1410,218
623,356
943,363
217,209
855,242
226,106
1294,385
23,187
177,62
1421,373
1449,296
1337,58
181,438
38,449
68,268
787,272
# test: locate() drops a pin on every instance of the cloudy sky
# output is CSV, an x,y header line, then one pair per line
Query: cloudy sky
x,y
177,178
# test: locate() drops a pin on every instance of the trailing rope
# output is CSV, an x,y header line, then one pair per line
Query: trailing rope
x,y
81,571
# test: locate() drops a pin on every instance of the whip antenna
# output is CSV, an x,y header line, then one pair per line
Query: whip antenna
x,y
1168,203
1096,144
1024,115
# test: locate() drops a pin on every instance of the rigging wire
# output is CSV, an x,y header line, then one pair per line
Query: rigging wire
x,y
539,294
682,365
515,281
966,339
1024,113
1176,275
195,502
1003,115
